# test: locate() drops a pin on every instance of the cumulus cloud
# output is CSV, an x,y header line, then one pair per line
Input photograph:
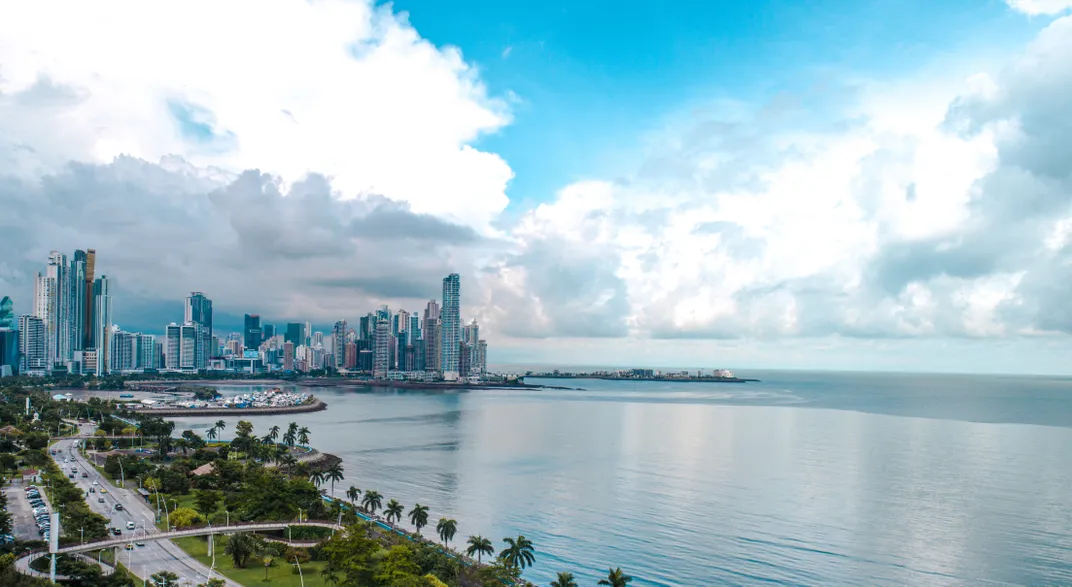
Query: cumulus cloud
x,y
946,217
1036,7
319,159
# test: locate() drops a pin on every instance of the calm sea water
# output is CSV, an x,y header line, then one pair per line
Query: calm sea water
x,y
803,479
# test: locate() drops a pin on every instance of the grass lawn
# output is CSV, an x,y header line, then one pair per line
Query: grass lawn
x,y
279,574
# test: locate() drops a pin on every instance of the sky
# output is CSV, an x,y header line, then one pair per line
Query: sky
x,y
872,185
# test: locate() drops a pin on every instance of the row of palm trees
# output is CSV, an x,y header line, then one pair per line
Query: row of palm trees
x,y
293,436
615,578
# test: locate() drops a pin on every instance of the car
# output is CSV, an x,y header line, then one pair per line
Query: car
x,y
139,544
92,490
100,500
85,475
129,546
118,507
130,525
95,482
116,531
103,490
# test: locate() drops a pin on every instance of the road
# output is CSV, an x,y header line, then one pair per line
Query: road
x,y
163,555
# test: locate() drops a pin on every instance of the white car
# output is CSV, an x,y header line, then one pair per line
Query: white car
x,y
96,482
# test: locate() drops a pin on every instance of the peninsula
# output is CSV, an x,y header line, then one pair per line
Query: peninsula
x,y
715,376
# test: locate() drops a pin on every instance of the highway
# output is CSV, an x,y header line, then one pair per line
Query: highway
x,y
143,561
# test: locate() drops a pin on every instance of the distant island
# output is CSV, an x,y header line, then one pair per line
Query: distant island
x,y
715,376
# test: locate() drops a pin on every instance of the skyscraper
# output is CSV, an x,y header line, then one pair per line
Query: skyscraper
x,y
338,343
430,332
383,335
77,296
31,344
288,355
9,350
294,334
450,317
7,313
181,342
252,332
89,341
413,331
199,313
102,323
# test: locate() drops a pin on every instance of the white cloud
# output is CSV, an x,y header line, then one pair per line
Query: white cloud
x,y
1036,7
290,87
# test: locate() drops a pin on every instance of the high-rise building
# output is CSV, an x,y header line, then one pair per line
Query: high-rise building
x,y
430,332
471,333
450,335
123,351
147,356
288,354
252,332
181,347
267,332
465,357
294,334
77,296
413,329
382,355
32,340
338,343
350,361
199,313
9,350
7,313
88,340
318,339
102,323
480,363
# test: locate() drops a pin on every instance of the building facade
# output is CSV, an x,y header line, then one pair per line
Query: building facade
x,y
450,327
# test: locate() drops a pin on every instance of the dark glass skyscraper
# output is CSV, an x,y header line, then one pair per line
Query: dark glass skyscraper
x,y
294,334
252,332
199,313
7,313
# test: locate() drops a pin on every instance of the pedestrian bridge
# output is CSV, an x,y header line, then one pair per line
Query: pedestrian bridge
x,y
200,531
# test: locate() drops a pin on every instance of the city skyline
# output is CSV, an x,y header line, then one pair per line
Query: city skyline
x,y
887,196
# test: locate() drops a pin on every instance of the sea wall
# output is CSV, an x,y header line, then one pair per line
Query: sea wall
x,y
314,406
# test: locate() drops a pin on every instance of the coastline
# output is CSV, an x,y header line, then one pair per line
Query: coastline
x,y
655,379
314,406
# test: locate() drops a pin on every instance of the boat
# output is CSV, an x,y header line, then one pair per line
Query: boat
x,y
126,396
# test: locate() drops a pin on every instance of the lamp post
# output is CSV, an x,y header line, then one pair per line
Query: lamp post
x,y
300,576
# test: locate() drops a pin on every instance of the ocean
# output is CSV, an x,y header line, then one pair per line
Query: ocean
x,y
805,478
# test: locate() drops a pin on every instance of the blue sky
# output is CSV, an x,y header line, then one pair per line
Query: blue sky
x,y
595,77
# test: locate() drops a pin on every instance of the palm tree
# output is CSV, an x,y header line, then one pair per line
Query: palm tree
x,y
287,461
211,433
518,553
394,510
333,474
291,435
241,546
564,580
479,546
616,578
446,528
418,516
221,425
317,478
303,436
352,494
372,500
273,433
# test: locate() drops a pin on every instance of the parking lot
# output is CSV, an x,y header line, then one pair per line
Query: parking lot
x,y
23,525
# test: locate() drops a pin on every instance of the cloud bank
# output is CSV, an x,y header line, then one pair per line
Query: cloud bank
x,y
311,160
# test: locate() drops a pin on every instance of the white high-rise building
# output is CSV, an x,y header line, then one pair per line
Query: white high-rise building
x,y
32,340
381,358
181,354
450,329
102,323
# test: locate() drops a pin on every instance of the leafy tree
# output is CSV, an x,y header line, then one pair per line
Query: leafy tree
x,y
479,546
446,528
192,439
207,500
372,501
519,552
616,578
351,556
36,440
418,516
397,565
564,580
184,517
213,582
394,511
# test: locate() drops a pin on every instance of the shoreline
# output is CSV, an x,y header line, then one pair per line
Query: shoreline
x,y
652,379
315,406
